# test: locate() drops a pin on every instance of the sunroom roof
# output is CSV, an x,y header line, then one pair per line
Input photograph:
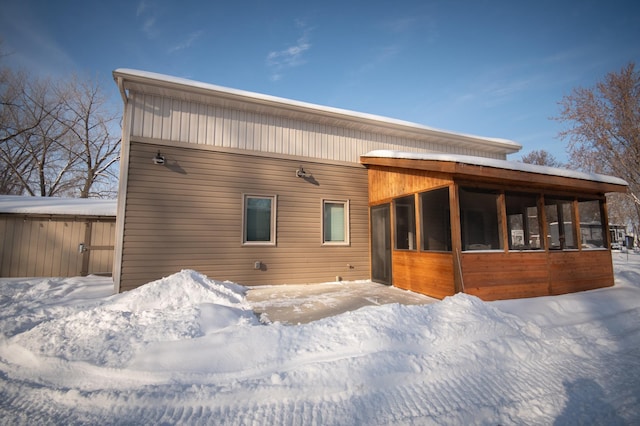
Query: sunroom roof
x,y
508,170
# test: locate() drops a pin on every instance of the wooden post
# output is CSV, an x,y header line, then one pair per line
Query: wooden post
x,y
456,238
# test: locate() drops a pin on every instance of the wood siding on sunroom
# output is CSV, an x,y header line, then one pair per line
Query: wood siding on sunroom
x,y
430,273
187,214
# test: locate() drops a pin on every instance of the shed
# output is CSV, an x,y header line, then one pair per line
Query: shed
x,y
51,236
249,187
443,223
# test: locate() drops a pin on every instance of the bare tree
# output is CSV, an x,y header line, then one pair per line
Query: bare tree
x,y
541,158
92,137
56,138
603,129
31,133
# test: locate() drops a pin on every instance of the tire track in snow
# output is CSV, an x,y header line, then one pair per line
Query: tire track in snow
x,y
529,390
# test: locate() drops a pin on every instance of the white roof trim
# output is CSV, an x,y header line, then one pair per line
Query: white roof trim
x,y
55,205
125,74
498,164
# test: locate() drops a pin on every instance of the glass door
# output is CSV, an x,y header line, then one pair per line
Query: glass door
x,y
381,244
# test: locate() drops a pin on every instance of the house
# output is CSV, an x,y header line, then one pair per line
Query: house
x,y
56,237
262,190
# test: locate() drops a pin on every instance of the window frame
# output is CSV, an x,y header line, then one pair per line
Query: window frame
x,y
273,231
412,225
425,227
558,203
347,233
470,213
526,231
603,228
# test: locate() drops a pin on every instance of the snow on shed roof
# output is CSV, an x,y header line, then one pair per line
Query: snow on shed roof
x,y
56,205
499,164
132,75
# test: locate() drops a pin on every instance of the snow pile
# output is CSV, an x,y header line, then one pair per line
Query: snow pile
x,y
188,349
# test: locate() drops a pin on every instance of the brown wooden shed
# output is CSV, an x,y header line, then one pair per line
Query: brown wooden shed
x,y
442,224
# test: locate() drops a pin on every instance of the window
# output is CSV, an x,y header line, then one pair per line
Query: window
x,y
591,225
523,222
405,220
479,219
562,229
259,220
335,222
435,220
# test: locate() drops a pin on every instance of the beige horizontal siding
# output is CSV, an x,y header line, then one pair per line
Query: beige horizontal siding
x,y
187,214
164,118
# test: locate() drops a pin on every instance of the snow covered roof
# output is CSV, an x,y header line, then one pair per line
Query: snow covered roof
x,y
498,164
56,205
128,79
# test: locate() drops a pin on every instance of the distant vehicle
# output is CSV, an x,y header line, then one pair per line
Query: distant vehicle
x,y
618,236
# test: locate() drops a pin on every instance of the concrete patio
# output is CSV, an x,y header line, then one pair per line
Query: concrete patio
x,y
303,303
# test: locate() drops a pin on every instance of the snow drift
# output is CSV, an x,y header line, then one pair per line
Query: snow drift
x,y
188,349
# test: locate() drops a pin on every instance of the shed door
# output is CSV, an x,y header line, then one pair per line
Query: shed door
x,y
381,244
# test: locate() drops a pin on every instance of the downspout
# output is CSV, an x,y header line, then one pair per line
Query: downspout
x,y
122,187
123,92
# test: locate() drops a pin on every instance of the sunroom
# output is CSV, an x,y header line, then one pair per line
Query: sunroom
x,y
442,224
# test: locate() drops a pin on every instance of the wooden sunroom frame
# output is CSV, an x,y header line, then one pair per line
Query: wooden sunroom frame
x,y
495,274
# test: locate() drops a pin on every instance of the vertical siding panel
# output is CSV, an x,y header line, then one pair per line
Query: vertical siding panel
x,y
15,251
175,119
185,117
217,138
49,248
194,118
242,130
226,128
27,249
55,234
42,257
156,128
263,141
136,119
249,129
165,110
210,124
256,143
202,124
66,233
8,230
234,131
147,113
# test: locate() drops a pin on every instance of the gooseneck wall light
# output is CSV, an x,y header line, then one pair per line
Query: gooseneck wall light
x,y
158,159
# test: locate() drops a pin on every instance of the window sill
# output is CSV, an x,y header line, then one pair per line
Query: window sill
x,y
256,244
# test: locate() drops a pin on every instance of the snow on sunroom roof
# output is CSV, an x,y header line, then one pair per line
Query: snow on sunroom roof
x,y
57,205
498,164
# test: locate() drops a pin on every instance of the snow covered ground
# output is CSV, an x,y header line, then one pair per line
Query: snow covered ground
x,y
189,350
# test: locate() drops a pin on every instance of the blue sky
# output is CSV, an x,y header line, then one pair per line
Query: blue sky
x,y
489,68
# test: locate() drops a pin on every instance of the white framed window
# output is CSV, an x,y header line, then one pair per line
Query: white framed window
x,y
259,220
335,222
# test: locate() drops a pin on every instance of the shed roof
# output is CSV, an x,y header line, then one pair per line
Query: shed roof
x,y
57,206
496,170
180,88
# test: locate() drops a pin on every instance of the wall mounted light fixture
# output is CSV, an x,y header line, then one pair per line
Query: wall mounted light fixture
x,y
301,173
158,159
